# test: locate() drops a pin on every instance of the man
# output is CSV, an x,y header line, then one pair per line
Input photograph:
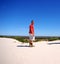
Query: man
x,y
31,33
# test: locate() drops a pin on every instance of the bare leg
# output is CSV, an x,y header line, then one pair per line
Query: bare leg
x,y
30,43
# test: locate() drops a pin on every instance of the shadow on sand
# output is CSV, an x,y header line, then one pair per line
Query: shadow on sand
x,y
54,43
23,46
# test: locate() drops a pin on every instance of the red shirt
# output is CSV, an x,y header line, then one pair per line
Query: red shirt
x,y
31,29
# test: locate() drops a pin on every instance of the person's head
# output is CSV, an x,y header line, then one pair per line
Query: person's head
x,y
32,22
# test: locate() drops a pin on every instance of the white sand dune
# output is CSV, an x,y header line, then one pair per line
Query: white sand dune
x,y
14,52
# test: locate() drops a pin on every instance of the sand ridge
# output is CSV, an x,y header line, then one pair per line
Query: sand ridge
x,y
15,52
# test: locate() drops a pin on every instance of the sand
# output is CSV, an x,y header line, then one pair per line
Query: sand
x,y
15,52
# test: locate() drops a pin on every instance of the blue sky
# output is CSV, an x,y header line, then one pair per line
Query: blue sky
x,y
16,15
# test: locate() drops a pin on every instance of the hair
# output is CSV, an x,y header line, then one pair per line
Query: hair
x,y
32,21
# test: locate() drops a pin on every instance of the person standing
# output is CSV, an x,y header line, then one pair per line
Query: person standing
x,y
31,33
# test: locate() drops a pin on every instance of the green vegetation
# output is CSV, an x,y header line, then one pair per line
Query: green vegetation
x,y
19,38
53,38
26,38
